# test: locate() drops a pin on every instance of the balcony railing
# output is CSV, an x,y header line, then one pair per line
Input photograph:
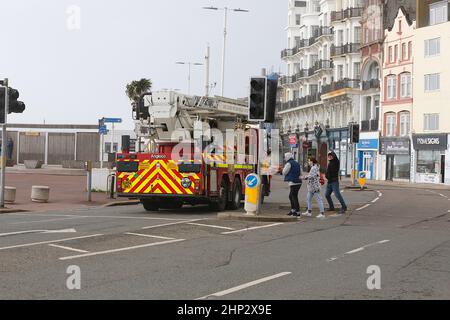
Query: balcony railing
x,y
300,102
371,84
341,84
304,43
369,125
345,49
322,64
346,14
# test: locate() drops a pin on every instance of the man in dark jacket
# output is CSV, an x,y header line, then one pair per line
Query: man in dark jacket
x,y
332,176
291,172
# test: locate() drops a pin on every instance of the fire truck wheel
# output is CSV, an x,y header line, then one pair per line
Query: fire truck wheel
x,y
150,205
221,203
235,202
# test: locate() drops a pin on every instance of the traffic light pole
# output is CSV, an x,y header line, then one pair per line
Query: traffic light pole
x,y
3,152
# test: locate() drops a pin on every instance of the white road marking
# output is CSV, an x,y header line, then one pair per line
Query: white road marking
x,y
363,207
37,231
70,230
149,236
46,242
112,217
357,250
244,286
210,225
252,228
68,248
375,200
442,195
171,224
121,249
39,221
20,232
380,194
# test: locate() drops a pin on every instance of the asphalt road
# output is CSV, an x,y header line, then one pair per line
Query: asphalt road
x,y
127,253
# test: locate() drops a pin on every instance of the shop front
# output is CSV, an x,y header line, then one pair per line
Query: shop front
x,y
398,157
430,152
367,155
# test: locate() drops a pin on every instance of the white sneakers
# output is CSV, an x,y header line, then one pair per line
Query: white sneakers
x,y
307,214
321,216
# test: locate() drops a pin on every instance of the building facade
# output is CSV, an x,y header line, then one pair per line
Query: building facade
x,y
397,99
342,96
431,127
309,69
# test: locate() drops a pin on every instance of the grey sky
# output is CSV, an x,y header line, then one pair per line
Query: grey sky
x,y
79,76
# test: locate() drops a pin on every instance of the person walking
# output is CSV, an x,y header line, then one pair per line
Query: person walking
x,y
313,179
291,172
332,176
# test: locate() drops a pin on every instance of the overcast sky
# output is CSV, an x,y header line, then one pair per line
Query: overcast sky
x,y
70,75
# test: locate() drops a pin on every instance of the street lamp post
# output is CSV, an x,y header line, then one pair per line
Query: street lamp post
x,y
225,20
189,72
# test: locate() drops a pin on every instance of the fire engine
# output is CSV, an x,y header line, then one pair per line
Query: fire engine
x,y
163,177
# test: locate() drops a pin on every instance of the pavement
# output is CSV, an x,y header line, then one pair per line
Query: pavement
x,y
67,191
128,253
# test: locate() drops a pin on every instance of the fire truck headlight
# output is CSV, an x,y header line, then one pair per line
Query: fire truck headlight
x,y
186,182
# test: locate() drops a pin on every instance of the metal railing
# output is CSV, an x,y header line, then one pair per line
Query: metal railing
x,y
304,43
300,101
341,84
345,49
369,125
346,14
371,84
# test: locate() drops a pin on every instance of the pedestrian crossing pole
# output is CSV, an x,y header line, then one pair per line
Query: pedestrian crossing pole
x,y
4,83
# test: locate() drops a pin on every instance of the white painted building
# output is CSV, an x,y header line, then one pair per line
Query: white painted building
x,y
309,68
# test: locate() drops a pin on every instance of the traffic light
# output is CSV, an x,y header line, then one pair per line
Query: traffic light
x,y
354,133
271,99
14,106
257,99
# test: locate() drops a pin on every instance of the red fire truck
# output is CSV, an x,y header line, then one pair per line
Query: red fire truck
x,y
171,167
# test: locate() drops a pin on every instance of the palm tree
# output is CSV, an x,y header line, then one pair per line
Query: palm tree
x,y
135,89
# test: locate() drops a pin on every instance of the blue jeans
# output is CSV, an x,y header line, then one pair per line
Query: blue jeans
x,y
334,187
318,198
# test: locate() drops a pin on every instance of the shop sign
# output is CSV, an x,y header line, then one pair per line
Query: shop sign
x,y
430,141
395,146
368,144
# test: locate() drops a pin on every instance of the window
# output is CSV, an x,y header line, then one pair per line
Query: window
x,y
340,38
428,161
432,47
298,19
108,147
391,87
431,121
391,56
432,81
400,26
367,115
356,70
438,12
404,123
405,85
404,52
396,53
409,49
357,35
340,72
391,124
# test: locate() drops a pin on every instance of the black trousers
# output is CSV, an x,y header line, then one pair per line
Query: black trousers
x,y
293,197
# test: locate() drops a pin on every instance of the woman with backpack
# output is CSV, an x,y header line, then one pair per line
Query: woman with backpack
x,y
313,179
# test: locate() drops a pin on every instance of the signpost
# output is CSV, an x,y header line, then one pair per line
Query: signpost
x,y
362,177
103,130
252,193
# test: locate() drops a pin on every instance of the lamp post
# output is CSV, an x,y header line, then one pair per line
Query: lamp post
x,y
189,73
225,9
